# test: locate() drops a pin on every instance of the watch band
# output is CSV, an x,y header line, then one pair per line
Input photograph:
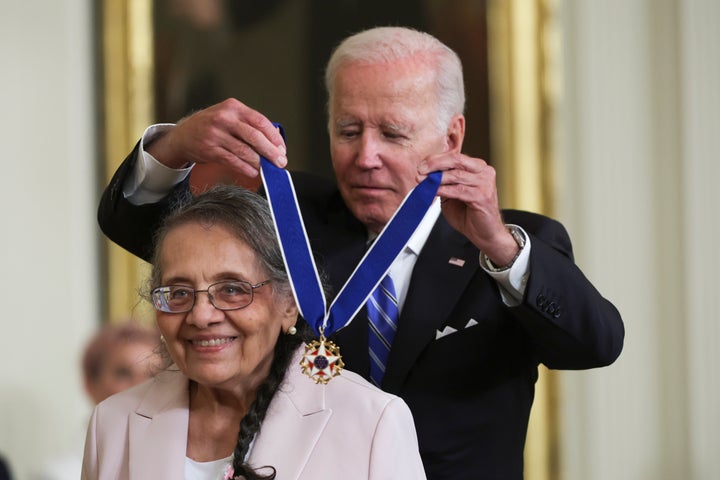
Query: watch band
x,y
519,238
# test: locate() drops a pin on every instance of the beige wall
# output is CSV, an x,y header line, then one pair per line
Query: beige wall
x,y
47,245
640,135
639,132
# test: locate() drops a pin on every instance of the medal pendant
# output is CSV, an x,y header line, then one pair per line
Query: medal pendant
x,y
322,360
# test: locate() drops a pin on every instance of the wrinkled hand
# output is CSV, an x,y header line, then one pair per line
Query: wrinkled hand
x,y
468,194
229,133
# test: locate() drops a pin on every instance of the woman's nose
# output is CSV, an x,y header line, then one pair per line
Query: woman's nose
x,y
203,312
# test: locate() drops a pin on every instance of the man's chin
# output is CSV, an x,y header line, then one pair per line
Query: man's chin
x,y
371,209
373,222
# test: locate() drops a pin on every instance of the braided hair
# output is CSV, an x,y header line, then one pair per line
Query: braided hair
x,y
250,424
246,214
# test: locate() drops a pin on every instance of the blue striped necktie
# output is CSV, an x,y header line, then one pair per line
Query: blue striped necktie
x,y
382,309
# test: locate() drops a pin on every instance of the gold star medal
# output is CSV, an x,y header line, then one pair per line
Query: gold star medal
x,y
322,360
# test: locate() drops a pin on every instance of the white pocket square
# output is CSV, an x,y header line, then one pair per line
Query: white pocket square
x,y
448,329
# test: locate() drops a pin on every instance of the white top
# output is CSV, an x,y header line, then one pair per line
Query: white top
x,y
214,470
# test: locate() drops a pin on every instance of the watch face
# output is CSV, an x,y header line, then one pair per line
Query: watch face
x,y
518,235
519,238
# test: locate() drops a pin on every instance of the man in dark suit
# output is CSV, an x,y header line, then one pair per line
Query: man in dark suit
x,y
485,295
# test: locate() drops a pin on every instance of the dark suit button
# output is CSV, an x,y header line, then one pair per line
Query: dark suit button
x,y
557,313
540,300
551,308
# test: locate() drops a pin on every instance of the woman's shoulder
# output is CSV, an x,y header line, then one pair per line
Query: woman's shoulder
x,y
349,391
348,395
353,383
152,393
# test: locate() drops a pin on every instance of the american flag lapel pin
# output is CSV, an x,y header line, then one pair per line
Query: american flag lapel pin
x,y
458,262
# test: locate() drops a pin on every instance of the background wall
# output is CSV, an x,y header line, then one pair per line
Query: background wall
x,y
48,256
640,135
639,132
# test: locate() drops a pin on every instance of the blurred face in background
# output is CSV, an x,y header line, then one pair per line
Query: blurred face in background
x,y
126,364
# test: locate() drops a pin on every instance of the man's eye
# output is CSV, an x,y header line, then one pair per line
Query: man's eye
x,y
348,133
393,135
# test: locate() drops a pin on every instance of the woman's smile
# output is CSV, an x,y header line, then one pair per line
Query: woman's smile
x,y
212,342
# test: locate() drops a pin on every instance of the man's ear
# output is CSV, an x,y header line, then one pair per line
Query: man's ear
x,y
455,134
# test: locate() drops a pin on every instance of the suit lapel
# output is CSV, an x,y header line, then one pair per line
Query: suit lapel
x,y
434,277
294,423
158,429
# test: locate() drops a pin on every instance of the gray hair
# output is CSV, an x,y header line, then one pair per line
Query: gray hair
x,y
390,44
246,214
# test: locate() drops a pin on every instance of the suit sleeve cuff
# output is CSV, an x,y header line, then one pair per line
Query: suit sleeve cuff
x,y
150,180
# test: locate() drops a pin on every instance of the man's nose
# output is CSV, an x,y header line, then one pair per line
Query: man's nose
x,y
369,149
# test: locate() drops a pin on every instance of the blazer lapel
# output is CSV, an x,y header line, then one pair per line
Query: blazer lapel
x,y
434,277
158,429
294,423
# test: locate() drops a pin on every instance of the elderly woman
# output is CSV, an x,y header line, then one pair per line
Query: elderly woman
x,y
235,403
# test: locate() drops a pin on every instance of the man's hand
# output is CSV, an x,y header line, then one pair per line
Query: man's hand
x,y
230,134
468,194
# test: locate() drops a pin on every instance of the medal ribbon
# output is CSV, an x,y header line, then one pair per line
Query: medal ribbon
x,y
299,261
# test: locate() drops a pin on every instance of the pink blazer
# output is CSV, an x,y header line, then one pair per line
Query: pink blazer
x,y
346,429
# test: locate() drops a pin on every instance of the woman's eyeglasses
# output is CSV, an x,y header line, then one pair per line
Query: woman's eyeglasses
x,y
226,295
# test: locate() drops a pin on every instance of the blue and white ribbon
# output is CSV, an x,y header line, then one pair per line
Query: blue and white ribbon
x,y
299,261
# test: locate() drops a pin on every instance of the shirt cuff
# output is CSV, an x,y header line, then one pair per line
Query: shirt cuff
x,y
513,280
150,180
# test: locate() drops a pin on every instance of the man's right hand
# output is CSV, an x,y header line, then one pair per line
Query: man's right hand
x,y
229,134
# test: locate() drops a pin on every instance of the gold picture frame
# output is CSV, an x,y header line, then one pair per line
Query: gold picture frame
x,y
127,106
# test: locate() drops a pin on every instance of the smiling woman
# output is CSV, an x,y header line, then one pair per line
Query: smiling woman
x,y
229,404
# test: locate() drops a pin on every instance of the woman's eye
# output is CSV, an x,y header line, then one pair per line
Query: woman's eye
x,y
232,289
179,293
